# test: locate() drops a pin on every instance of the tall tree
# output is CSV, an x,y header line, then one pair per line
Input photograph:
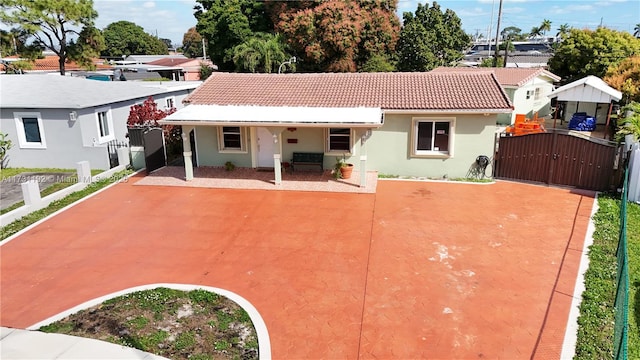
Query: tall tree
x,y
227,23
563,30
88,46
545,26
430,38
535,32
127,38
192,43
513,33
625,77
14,42
338,36
588,52
53,23
262,52
167,42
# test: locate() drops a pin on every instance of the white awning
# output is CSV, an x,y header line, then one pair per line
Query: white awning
x,y
227,115
589,89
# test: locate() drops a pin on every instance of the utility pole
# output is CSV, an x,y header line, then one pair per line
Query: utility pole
x,y
204,51
495,56
491,25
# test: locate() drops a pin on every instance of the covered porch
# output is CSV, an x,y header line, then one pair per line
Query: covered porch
x,y
252,137
255,179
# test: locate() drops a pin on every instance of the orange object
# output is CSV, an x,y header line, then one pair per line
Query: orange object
x,y
524,125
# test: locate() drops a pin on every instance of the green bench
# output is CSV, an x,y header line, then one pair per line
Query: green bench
x,y
305,158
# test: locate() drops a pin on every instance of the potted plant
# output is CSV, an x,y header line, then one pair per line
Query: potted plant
x,y
342,169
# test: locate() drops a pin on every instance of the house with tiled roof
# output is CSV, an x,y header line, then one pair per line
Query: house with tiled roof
x,y
50,64
56,121
412,124
178,69
527,89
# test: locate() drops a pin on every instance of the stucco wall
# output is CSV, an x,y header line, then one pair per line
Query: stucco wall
x,y
69,142
64,142
388,149
530,106
207,149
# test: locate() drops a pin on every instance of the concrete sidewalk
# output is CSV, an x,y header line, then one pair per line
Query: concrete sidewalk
x,y
26,344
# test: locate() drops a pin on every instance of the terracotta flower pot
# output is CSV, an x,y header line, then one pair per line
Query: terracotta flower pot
x,y
346,171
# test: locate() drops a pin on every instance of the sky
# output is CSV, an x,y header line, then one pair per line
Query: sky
x,y
172,18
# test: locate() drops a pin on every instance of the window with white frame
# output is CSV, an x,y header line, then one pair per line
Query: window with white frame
x,y
432,137
170,102
30,130
105,125
536,95
231,139
338,140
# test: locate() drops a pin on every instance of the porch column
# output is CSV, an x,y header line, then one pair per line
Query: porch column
x,y
363,157
277,157
186,145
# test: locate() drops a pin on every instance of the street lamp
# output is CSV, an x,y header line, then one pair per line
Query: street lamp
x,y
291,60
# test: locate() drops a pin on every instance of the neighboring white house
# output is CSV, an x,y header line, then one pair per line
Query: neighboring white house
x,y
56,121
527,89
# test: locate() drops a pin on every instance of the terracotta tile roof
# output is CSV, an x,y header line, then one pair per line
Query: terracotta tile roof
x,y
50,63
398,91
170,62
505,76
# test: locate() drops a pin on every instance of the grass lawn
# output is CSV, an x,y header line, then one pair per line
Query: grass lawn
x,y
596,321
194,325
6,173
633,239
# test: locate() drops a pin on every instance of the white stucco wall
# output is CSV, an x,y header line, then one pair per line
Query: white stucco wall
x,y
530,106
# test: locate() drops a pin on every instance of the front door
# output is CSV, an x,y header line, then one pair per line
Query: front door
x,y
265,148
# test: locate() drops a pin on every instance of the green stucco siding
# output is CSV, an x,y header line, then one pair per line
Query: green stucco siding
x,y
388,149
207,149
308,140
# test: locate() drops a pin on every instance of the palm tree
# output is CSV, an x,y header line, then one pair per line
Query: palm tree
x,y
637,31
262,52
562,30
535,32
545,26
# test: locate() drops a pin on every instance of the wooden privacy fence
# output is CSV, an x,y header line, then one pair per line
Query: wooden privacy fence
x,y
558,158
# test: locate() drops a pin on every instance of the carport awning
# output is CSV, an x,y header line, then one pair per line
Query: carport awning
x,y
234,115
589,89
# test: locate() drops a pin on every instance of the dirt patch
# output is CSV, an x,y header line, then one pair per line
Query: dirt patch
x,y
175,324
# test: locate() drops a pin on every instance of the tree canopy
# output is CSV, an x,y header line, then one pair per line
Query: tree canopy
x,y
338,36
54,24
262,52
588,52
430,38
625,77
192,43
228,23
126,38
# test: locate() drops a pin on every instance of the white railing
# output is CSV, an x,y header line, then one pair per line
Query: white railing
x,y
31,188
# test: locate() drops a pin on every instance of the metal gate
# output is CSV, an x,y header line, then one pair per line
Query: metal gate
x,y
112,151
557,158
154,154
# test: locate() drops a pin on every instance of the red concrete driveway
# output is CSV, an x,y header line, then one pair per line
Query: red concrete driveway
x,y
418,270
